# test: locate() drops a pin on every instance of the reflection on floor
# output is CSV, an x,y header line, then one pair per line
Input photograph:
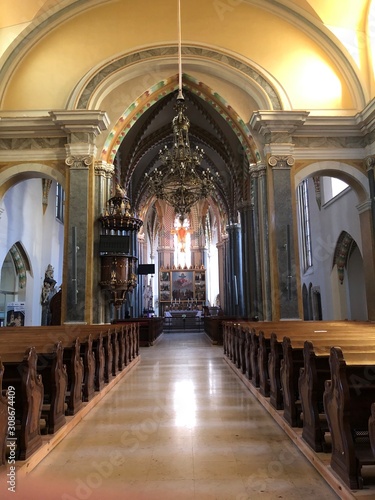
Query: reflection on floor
x,y
179,426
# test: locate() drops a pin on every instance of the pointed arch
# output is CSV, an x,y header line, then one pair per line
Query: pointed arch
x,y
155,93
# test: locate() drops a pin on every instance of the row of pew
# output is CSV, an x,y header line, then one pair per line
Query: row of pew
x,y
321,376
48,373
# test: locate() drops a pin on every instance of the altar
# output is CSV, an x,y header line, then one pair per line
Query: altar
x,y
183,320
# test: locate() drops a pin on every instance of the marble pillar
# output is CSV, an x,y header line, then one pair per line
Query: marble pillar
x,y
249,260
80,224
235,271
367,221
222,287
265,311
284,269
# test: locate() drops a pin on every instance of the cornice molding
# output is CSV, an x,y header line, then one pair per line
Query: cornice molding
x,y
267,122
52,124
303,124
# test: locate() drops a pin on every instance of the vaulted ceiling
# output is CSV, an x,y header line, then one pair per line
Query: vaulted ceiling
x,y
297,47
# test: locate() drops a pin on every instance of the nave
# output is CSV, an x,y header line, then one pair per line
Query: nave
x,y
180,425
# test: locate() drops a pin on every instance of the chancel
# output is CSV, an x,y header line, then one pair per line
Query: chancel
x,y
187,248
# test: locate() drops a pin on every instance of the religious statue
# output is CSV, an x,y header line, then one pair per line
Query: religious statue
x,y
48,291
147,297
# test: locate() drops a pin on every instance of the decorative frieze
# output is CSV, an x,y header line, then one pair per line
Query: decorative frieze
x,y
329,142
37,143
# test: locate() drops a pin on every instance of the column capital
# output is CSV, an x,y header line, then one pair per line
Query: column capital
x,y
282,162
79,162
370,163
261,169
104,169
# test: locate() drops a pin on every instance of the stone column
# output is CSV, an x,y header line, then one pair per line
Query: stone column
x,y
222,287
265,311
249,259
81,128
367,221
283,256
79,235
234,270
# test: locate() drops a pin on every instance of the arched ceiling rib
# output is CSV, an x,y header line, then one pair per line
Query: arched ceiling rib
x,y
139,153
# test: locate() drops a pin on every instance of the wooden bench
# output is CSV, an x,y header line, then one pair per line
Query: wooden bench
x,y
150,329
3,417
55,383
89,362
75,370
347,398
99,353
311,384
371,428
293,362
71,363
28,400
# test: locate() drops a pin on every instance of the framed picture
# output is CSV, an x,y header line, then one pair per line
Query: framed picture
x,y
182,285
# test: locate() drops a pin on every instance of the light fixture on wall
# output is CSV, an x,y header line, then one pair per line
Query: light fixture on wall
x,y
180,181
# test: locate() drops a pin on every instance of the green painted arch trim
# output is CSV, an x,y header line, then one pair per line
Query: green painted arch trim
x,y
159,91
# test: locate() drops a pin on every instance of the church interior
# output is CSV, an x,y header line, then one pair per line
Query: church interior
x,y
183,166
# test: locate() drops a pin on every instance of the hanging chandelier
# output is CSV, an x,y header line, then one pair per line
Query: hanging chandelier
x,y
180,181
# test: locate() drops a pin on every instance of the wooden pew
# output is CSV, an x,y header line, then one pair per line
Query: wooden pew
x,y
347,401
274,366
88,356
55,382
115,352
311,385
99,353
335,333
28,401
108,360
75,370
371,428
62,371
293,362
3,417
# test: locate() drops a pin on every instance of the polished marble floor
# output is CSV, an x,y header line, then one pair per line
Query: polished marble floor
x,y
179,426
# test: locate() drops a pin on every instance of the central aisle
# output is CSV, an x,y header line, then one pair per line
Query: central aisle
x,y
179,426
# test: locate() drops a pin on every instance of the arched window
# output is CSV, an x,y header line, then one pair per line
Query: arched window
x,y
304,224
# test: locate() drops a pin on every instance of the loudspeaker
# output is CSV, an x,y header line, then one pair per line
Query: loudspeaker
x,y
146,269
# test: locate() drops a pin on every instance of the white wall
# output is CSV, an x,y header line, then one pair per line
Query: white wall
x,y
340,214
41,235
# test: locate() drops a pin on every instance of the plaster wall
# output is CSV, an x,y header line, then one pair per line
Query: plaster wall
x,y
340,214
53,66
41,236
